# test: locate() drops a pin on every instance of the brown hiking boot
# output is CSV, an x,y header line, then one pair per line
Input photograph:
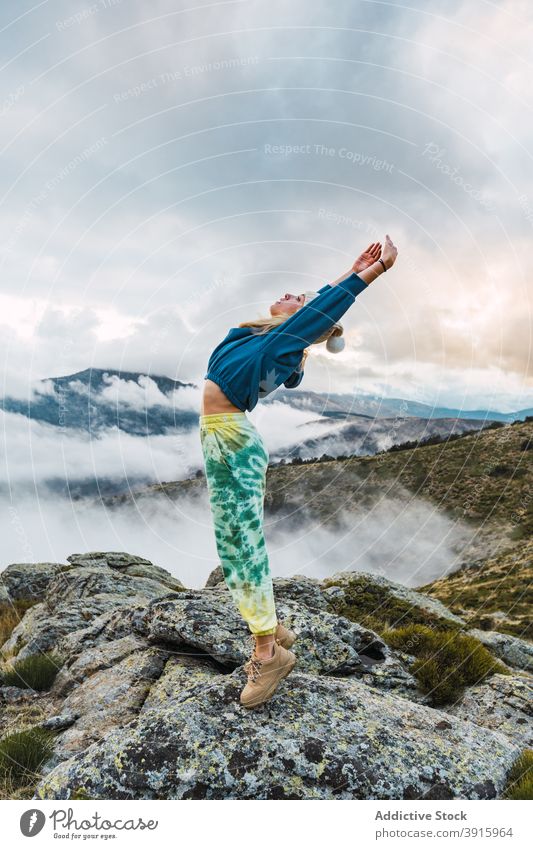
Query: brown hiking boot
x,y
284,637
265,675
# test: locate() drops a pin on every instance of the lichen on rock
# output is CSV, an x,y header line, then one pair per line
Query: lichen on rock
x,y
146,702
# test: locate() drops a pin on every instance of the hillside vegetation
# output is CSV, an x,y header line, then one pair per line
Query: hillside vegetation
x,y
484,479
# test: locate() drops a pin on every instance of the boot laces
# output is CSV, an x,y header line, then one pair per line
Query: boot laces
x,y
253,668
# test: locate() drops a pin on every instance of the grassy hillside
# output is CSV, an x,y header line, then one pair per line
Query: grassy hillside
x,y
497,596
487,480
484,479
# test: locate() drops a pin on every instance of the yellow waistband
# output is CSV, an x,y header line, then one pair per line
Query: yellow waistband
x,y
222,417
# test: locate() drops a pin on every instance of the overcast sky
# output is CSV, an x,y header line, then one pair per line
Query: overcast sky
x,y
171,168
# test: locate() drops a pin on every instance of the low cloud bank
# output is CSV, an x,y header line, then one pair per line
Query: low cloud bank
x,y
408,542
35,453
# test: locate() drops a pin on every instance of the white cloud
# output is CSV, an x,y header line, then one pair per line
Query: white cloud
x,y
130,393
405,540
115,264
34,453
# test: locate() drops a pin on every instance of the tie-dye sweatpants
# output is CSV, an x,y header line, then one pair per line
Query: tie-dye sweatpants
x,y
236,459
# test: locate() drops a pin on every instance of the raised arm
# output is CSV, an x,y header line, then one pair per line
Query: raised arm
x,y
307,324
311,321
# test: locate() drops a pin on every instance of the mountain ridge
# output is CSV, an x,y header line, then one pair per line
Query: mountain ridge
x,y
77,396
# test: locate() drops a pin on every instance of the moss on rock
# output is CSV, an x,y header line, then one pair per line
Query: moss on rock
x,y
366,602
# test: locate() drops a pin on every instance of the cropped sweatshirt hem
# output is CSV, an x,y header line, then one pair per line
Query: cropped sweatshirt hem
x,y
226,389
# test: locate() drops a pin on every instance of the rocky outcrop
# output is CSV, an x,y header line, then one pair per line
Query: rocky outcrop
x,y
146,702
28,581
502,703
128,564
73,595
512,650
334,739
108,697
342,585
327,644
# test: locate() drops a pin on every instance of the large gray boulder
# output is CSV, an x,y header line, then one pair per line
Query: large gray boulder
x,y
208,621
317,738
512,650
40,631
108,698
146,703
90,582
129,564
30,581
113,559
72,600
109,626
94,659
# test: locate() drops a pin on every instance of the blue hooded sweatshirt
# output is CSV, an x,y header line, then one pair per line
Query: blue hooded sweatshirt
x,y
248,365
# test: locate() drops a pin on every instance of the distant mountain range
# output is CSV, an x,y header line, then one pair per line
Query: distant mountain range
x,y
92,401
363,435
95,400
374,406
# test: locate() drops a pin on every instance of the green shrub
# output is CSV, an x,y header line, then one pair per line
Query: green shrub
x,y
446,661
22,754
520,778
36,672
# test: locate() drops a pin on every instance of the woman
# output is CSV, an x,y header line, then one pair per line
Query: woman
x,y
253,359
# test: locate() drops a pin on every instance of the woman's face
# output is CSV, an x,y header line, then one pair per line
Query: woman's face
x,y
287,304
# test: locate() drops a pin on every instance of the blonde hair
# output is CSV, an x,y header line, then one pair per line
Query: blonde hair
x,y
267,323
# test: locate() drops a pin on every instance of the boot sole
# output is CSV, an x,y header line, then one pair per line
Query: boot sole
x,y
271,693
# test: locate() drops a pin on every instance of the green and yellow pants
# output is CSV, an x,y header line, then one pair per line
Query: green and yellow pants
x,y
236,459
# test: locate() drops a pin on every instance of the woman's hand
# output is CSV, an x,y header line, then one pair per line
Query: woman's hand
x,y
390,252
367,258
369,265
370,272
